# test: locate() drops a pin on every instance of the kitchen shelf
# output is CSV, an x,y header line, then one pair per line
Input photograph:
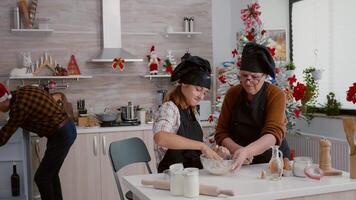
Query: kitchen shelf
x,y
32,31
157,76
188,34
77,77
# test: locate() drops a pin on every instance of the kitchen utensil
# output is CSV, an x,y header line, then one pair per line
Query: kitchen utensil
x,y
216,167
275,165
106,117
350,129
300,163
129,112
208,190
325,159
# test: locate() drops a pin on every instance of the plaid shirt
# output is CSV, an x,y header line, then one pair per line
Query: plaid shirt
x,y
166,119
35,110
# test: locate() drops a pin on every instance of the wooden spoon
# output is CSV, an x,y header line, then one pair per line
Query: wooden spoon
x,y
350,129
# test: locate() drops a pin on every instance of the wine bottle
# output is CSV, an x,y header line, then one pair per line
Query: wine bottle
x,y
15,182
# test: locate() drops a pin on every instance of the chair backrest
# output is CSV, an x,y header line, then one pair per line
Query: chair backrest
x,y
126,152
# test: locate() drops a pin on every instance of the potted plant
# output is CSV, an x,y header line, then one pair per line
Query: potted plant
x,y
332,106
289,68
312,88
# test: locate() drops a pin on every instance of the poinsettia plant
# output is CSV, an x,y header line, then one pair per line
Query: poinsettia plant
x,y
351,93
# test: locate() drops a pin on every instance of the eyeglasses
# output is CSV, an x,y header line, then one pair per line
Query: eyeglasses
x,y
254,78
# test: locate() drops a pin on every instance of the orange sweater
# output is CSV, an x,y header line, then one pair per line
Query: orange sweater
x,y
275,123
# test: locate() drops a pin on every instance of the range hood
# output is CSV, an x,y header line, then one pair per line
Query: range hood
x,y
112,35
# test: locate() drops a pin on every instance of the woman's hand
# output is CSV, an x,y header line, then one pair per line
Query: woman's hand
x,y
209,153
240,157
222,152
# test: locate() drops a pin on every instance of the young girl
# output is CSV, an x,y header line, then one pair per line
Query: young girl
x,y
177,133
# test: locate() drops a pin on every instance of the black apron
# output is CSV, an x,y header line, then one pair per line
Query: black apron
x,y
247,121
189,128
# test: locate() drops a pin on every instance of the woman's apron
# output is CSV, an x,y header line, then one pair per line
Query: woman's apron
x,y
247,121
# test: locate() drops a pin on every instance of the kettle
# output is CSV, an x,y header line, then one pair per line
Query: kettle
x,y
129,112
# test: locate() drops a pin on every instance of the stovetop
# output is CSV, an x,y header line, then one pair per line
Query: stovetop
x,y
121,123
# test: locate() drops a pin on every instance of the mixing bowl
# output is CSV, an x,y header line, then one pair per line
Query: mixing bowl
x,y
216,167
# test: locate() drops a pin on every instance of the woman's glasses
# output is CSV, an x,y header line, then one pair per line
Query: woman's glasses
x,y
253,78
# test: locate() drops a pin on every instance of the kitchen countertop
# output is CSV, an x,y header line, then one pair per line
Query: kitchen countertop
x,y
142,127
247,185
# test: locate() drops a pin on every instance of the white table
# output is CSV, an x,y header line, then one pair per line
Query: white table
x,y
248,186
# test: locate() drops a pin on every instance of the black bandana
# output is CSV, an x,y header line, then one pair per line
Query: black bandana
x,y
257,58
194,71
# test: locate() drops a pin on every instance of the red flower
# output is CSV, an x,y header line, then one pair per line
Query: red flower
x,y
250,36
299,91
351,94
297,112
263,32
222,79
292,80
272,51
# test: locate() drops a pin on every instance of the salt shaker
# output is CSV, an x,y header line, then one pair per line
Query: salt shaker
x,y
186,24
191,182
191,24
176,179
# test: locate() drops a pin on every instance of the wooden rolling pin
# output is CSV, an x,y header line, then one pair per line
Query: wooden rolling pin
x,y
203,189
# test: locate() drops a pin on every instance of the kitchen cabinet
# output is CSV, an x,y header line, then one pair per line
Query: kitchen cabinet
x,y
14,152
87,172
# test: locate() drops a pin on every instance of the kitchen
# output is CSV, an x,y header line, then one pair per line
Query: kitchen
x,y
78,30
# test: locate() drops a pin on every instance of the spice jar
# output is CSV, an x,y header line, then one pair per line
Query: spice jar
x,y
300,163
191,182
176,179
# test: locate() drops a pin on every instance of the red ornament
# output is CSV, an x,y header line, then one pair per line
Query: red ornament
x,y
292,80
73,68
118,62
272,51
250,36
234,53
297,112
222,79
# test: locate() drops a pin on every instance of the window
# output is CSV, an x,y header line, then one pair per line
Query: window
x,y
323,35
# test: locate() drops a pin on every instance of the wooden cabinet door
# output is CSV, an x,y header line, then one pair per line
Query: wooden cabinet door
x,y
80,173
109,188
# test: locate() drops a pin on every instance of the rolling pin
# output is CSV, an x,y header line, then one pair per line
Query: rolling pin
x,y
203,189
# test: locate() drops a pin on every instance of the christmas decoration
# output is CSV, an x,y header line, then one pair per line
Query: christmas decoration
x,y
118,62
351,93
73,68
168,65
154,61
60,71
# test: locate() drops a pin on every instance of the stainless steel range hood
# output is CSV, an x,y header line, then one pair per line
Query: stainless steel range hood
x,y
112,35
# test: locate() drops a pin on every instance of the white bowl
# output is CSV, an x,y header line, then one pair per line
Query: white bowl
x,y
216,167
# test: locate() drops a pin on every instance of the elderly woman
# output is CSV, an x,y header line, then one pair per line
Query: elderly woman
x,y
253,117
177,133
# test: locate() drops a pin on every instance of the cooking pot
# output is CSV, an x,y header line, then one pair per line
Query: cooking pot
x,y
129,112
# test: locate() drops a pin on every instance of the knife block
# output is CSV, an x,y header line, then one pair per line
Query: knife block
x,y
353,166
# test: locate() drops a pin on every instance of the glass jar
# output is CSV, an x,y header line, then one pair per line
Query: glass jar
x,y
275,165
176,179
191,182
300,163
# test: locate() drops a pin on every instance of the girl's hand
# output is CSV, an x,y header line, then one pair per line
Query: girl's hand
x,y
222,152
209,153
